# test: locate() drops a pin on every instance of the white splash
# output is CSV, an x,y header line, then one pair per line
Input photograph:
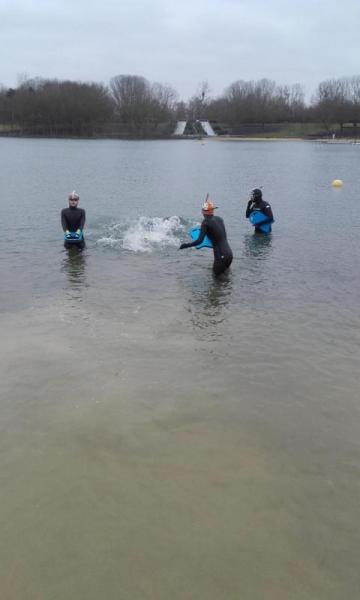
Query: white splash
x,y
149,232
144,235
109,241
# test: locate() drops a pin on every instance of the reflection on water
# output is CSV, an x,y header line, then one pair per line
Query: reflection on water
x,y
258,246
74,267
257,251
209,301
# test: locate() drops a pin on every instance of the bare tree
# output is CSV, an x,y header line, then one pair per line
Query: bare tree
x,y
164,99
354,90
332,102
261,102
181,111
59,107
132,97
199,103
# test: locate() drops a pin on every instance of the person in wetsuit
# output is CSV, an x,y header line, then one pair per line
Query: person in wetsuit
x,y
73,220
214,228
256,203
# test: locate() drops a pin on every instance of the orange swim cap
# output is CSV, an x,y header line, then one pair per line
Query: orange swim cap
x,y
208,207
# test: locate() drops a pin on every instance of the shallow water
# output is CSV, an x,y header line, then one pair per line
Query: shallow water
x,y
165,434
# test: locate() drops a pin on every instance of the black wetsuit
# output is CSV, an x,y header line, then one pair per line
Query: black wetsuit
x,y
214,228
73,218
260,206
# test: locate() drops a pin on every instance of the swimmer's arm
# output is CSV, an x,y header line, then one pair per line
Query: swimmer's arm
x,y
63,221
82,221
198,241
249,209
268,212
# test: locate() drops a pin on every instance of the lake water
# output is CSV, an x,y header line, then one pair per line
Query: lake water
x,y
165,434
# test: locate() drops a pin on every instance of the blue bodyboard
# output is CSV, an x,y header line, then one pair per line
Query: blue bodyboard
x,y
73,238
257,217
194,233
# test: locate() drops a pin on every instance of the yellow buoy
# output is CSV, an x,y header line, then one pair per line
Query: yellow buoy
x,y
337,183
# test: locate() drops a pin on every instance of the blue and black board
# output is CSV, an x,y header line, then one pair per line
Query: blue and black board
x,y
74,238
257,217
194,233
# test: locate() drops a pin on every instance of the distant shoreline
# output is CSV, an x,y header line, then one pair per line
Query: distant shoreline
x,y
284,139
216,138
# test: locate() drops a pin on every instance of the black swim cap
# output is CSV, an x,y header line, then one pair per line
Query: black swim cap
x,y
256,194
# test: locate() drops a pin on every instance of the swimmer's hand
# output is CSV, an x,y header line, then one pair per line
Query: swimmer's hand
x,y
183,246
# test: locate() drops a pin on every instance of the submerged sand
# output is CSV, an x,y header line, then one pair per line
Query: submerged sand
x,y
117,482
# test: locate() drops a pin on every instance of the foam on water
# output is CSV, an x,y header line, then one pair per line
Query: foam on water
x,y
145,234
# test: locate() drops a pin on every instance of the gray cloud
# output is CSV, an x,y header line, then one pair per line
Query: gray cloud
x,y
182,43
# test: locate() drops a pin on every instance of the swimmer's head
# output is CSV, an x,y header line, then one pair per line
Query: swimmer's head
x,y
256,195
73,198
208,208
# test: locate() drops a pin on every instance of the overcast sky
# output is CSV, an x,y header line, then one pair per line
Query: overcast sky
x,y
181,43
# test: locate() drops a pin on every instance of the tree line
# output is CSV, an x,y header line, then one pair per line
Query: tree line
x,y
52,107
131,105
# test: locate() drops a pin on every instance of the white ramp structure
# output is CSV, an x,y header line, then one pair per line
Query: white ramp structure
x,y
180,128
207,128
